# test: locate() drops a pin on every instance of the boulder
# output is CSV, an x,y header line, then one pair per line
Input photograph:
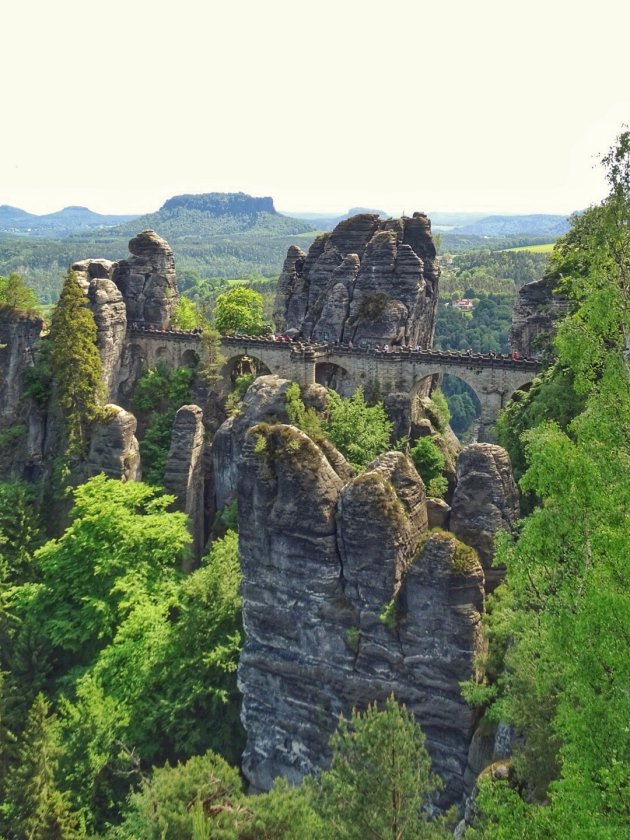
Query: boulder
x,y
264,402
114,449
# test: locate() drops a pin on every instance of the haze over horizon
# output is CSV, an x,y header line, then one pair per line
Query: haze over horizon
x,y
467,108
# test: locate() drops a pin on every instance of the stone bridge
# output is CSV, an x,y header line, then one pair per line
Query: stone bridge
x,y
493,378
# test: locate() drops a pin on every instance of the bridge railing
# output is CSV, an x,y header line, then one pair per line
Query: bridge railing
x,y
160,332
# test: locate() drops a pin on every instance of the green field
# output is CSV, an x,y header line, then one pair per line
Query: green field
x,y
537,249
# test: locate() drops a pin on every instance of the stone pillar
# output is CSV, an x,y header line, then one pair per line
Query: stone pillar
x,y
184,476
302,369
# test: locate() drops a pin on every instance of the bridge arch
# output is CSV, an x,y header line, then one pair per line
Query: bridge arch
x,y
333,375
468,377
523,383
241,364
190,358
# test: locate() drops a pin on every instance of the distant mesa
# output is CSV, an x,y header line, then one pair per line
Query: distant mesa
x,y
221,204
217,214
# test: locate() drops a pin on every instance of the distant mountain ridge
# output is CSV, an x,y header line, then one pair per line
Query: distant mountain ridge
x,y
533,224
61,223
326,221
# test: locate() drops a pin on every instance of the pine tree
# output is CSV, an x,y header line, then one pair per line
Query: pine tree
x,y
76,364
38,810
379,779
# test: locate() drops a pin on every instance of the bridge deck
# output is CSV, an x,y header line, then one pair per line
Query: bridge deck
x,y
321,351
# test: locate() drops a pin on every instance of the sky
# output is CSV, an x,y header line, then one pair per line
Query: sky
x,y
491,106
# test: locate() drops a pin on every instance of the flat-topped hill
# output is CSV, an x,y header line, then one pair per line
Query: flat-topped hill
x,y
217,214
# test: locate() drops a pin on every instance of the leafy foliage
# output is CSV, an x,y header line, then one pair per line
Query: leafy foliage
x,y
491,271
160,392
568,600
35,808
20,532
187,316
429,460
483,331
240,310
463,404
359,431
15,295
120,544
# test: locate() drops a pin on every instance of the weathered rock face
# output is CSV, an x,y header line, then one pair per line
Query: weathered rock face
x,y
147,280
535,311
184,474
368,281
110,315
19,334
340,607
485,501
114,449
264,402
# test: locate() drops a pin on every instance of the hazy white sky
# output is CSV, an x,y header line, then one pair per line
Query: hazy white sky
x,y
401,105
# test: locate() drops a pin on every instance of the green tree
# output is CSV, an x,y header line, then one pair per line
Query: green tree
x,y
15,295
240,310
19,529
166,686
76,364
121,544
429,460
568,595
177,799
36,809
187,315
359,431
380,778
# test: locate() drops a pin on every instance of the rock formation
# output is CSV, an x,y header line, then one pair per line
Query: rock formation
x,y
535,311
370,281
114,449
485,501
263,402
184,475
147,280
110,315
19,333
341,607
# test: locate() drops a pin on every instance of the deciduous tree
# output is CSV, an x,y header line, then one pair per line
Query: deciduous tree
x,y
240,310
